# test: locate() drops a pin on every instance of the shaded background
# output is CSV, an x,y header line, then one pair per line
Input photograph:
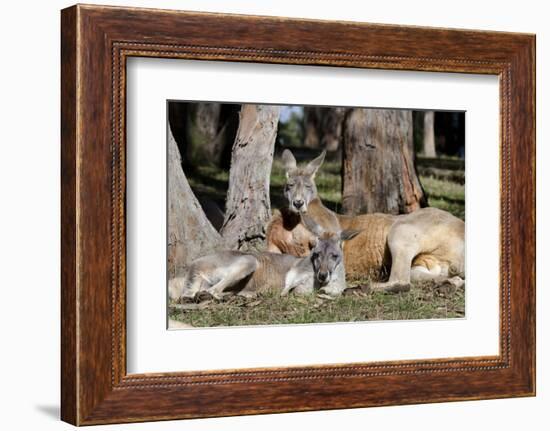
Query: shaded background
x,y
205,133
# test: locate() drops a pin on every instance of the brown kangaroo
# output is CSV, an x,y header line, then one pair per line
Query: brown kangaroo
x,y
427,244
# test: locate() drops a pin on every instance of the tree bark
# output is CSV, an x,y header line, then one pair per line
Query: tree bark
x,y
331,128
204,132
205,142
190,234
248,207
323,127
378,172
312,123
428,141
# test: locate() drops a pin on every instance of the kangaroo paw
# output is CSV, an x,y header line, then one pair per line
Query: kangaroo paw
x,y
449,286
247,295
219,295
456,281
188,297
285,291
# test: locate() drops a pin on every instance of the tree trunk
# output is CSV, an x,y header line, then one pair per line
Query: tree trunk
x,y
190,234
248,208
331,128
378,172
323,127
312,123
428,141
205,143
204,132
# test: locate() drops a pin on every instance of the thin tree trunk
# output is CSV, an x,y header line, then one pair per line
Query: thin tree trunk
x,y
203,126
331,128
323,127
378,172
248,207
312,123
204,132
428,141
190,234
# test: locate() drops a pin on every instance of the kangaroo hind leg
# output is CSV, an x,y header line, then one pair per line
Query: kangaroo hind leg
x,y
193,284
403,247
439,275
186,286
239,268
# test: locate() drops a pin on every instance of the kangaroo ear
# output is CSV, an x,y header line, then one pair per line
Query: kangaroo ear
x,y
348,234
315,164
311,225
289,162
313,241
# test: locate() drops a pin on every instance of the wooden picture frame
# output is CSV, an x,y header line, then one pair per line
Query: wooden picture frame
x,y
95,43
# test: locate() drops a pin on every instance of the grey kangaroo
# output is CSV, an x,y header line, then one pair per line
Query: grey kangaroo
x,y
251,273
427,244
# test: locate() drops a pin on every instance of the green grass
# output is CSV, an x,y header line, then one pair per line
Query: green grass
x,y
446,195
209,182
423,301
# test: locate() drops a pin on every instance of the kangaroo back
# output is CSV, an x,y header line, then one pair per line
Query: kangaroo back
x,y
270,274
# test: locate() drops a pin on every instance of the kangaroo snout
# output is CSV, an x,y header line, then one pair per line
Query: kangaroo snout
x,y
298,204
322,277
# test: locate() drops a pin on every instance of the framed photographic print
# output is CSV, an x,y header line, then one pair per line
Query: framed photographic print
x,y
268,215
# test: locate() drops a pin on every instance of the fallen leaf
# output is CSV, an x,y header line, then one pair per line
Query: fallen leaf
x,y
323,296
253,303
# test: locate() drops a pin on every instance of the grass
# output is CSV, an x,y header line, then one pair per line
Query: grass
x,y
446,195
444,189
423,301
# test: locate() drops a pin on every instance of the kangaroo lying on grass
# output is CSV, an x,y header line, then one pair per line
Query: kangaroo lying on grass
x,y
427,244
322,269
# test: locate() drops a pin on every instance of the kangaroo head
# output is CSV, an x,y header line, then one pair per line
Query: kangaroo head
x,y
327,252
300,187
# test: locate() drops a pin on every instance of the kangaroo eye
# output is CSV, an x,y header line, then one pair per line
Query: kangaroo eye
x,y
290,185
315,256
307,186
334,256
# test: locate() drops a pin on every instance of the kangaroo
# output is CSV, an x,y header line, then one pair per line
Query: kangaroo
x,y
252,272
427,244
